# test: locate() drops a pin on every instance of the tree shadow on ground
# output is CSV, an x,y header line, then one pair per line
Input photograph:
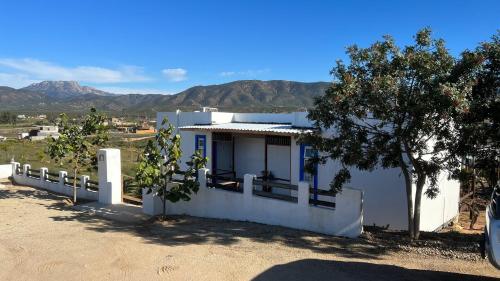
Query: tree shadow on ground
x,y
181,230
314,269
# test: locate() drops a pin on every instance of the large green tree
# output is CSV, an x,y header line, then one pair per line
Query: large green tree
x,y
159,166
479,126
392,107
78,143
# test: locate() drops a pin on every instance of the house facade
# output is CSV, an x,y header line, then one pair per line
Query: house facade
x,y
266,145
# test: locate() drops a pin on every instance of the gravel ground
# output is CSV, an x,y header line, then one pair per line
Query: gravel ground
x,y
447,244
42,238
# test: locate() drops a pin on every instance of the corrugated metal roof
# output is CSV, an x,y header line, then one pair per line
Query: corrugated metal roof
x,y
285,129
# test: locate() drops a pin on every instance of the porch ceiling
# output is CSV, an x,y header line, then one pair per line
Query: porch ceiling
x,y
255,128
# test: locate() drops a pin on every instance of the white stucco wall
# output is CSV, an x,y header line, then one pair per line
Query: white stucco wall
x,y
345,220
279,161
300,120
5,171
57,187
442,209
249,155
385,199
109,172
263,117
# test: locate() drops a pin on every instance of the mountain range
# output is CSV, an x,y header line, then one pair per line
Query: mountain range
x,y
243,95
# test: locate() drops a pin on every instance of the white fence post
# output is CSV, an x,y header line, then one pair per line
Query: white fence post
x,y
248,192
62,180
26,168
110,176
148,202
303,194
202,177
43,174
15,165
83,182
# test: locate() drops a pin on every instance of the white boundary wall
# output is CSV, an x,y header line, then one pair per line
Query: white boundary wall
x,y
109,172
5,171
345,220
60,187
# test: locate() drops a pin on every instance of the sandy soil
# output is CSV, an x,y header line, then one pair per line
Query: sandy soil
x,y
42,238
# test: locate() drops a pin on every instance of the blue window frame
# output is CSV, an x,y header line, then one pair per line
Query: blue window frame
x,y
200,144
307,152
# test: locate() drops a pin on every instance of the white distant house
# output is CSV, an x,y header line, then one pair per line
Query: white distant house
x,y
44,132
265,144
22,136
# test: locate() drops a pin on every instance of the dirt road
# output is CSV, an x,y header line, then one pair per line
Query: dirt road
x,y
42,238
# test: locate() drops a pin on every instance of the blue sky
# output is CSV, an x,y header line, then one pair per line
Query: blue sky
x,y
167,46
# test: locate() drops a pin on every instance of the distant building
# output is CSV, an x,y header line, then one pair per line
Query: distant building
x,y
2,138
116,121
22,136
43,132
209,109
145,128
41,117
21,116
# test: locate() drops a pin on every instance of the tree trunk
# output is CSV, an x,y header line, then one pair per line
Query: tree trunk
x,y
164,205
409,193
74,186
165,200
409,201
418,200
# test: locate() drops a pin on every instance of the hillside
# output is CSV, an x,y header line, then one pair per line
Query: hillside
x,y
245,95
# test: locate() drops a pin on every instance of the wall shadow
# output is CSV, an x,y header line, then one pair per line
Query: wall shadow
x,y
314,269
182,230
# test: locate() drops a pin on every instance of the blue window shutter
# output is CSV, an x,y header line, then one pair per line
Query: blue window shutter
x,y
203,149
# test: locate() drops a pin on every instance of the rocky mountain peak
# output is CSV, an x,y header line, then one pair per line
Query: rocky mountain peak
x,y
63,89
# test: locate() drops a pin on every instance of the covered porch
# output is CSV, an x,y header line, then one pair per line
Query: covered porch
x,y
268,151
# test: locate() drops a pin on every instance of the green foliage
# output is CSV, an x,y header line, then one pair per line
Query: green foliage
x,y
479,126
160,163
393,108
78,143
8,118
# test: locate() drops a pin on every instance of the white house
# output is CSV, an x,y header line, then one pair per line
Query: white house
x,y
44,132
265,145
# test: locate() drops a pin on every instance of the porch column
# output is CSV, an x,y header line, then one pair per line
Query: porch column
x,y
202,177
248,192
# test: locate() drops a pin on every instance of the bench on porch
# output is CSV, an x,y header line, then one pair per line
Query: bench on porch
x,y
226,181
